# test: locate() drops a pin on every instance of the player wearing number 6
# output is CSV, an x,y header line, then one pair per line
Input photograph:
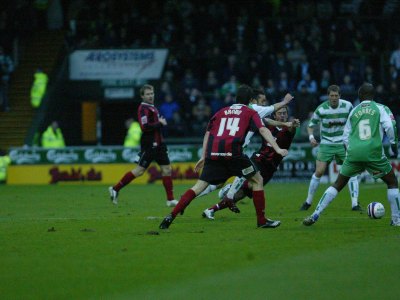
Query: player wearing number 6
x,y
223,155
364,130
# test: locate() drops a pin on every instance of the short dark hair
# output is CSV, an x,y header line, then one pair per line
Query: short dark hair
x,y
244,94
257,92
146,87
333,88
366,91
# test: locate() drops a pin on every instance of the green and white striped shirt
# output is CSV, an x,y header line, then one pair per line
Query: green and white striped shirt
x,y
332,121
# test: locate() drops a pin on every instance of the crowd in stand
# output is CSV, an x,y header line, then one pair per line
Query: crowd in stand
x,y
300,47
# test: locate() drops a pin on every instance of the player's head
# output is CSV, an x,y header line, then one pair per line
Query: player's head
x,y
333,95
259,97
244,94
282,114
366,91
147,93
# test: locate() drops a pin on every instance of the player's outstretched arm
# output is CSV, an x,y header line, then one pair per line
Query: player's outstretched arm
x,y
277,123
293,124
266,134
286,100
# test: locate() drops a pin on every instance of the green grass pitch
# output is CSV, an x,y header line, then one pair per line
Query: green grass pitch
x,y
70,242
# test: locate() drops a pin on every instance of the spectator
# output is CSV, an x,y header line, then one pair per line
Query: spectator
x,y
169,107
303,68
230,86
6,68
284,84
211,82
216,102
4,163
270,89
393,101
280,65
201,113
310,84
325,81
39,87
134,133
347,87
295,55
304,103
177,127
393,74
369,75
53,137
395,58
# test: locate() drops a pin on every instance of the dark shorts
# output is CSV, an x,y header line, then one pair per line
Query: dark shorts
x,y
158,154
218,171
267,172
266,169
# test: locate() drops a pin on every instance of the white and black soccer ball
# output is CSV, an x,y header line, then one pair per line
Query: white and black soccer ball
x,y
375,210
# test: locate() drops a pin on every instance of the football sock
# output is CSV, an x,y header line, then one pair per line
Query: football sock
x,y
394,200
326,198
185,200
215,207
208,190
314,183
169,189
128,177
246,190
353,188
236,185
259,204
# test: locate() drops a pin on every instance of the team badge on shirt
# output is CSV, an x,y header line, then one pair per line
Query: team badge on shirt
x,y
144,120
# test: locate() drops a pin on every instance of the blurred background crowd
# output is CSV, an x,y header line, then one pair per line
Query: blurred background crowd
x,y
300,47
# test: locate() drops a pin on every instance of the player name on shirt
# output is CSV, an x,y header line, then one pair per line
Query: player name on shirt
x,y
233,112
364,111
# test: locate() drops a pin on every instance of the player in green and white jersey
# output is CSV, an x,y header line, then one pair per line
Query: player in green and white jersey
x,y
331,116
363,134
259,104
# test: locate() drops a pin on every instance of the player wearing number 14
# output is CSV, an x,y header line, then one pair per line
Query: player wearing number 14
x,y
223,156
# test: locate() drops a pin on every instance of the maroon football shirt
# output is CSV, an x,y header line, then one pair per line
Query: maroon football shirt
x,y
283,137
150,125
228,129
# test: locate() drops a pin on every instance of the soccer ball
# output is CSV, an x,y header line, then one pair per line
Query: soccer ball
x,y
375,210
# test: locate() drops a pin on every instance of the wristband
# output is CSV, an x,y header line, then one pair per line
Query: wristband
x,y
310,137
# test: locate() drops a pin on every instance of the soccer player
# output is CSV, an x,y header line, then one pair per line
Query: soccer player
x,y
332,116
258,103
363,135
223,156
152,147
266,159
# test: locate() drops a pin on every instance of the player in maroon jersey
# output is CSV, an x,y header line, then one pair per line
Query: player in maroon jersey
x,y
223,156
266,159
152,147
